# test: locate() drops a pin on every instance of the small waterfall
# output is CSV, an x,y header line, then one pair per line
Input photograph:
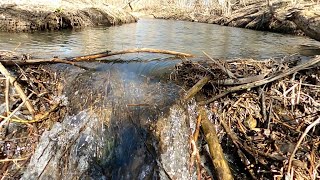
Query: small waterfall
x,y
120,126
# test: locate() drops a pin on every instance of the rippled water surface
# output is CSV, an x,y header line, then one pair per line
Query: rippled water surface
x,y
218,41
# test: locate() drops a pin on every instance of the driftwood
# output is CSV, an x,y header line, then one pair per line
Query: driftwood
x,y
18,88
285,73
218,159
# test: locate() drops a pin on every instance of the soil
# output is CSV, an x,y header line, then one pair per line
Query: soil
x,y
19,18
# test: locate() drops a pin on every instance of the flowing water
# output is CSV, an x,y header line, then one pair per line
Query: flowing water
x,y
125,123
218,41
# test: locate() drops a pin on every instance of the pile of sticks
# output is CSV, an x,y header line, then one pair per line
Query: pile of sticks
x,y
28,106
269,111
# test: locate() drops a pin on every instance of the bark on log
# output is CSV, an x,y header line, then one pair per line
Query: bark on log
x,y
218,159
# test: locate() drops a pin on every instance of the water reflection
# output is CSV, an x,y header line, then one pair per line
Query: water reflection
x,y
218,41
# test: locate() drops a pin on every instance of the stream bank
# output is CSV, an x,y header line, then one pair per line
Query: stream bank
x,y
31,17
279,16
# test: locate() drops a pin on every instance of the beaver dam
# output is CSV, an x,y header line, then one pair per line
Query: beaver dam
x,y
89,117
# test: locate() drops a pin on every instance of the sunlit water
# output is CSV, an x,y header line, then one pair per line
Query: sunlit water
x,y
189,37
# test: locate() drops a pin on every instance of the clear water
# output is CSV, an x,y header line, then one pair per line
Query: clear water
x,y
189,37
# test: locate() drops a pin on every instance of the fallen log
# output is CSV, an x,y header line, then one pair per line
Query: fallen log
x,y
306,20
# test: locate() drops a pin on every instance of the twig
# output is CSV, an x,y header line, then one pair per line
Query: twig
x,y
39,61
195,151
229,73
196,88
92,57
17,159
240,80
264,81
17,109
263,103
18,88
316,122
37,119
7,95
196,132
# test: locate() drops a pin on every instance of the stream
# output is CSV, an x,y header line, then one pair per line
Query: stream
x,y
124,121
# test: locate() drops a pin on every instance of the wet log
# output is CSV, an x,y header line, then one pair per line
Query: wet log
x,y
218,159
18,88
285,73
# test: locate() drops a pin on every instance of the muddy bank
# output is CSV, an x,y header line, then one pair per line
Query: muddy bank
x,y
18,18
276,17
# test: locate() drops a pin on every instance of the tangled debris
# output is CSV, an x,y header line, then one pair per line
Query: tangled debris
x,y
22,126
268,110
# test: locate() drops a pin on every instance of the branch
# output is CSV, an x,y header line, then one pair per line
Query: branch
x,y
218,159
146,50
18,88
285,73
316,122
